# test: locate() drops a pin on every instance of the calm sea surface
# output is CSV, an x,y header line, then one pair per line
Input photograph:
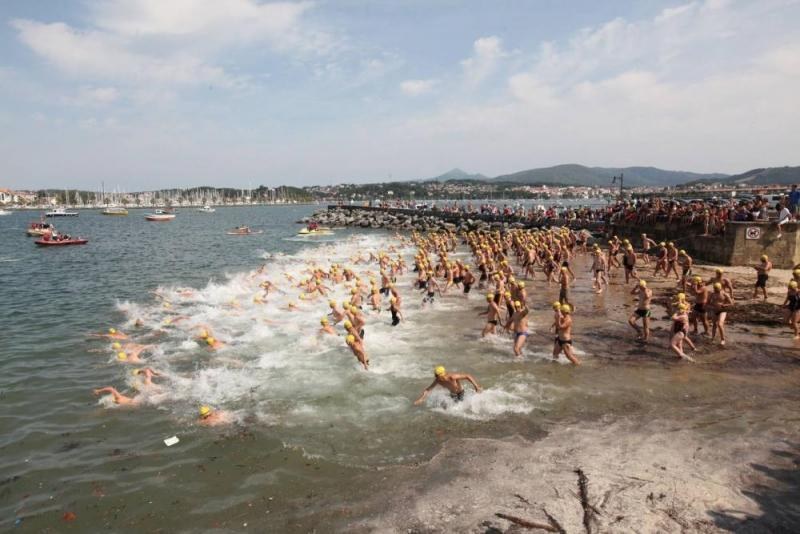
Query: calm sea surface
x,y
306,420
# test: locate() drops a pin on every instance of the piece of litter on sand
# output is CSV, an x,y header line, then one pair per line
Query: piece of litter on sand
x,y
169,442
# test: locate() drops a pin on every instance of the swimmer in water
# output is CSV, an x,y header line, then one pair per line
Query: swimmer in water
x,y
148,374
642,311
131,350
451,382
210,341
326,327
357,347
111,334
337,314
394,309
519,320
492,314
210,417
563,328
119,398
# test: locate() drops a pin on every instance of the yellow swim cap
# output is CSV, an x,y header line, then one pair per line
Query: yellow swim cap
x,y
205,411
348,324
203,334
521,285
717,287
122,356
662,244
507,294
566,308
353,291
681,296
643,283
764,257
796,272
682,253
489,296
116,346
324,320
793,284
332,303
556,305
439,371
517,304
351,339
718,270
112,331
210,340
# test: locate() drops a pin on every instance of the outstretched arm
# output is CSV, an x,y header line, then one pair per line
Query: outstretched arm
x,y
425,394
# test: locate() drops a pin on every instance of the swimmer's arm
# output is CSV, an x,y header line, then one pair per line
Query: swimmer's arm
x,y
425,393
469,379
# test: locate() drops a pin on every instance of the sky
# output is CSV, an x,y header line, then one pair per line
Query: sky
x,y
140,94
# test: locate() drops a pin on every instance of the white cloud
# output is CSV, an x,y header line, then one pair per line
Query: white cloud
x,y
174,43
99,55
417,87
99,95
487,51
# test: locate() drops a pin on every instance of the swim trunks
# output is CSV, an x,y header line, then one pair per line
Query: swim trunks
x,y
458,397
643,313
761,281
467,287
562,342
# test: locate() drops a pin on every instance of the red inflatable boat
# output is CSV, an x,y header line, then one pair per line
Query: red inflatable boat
x,y
62,243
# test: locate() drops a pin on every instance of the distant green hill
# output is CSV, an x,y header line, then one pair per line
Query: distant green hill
x,y
579,175
767,176
459,175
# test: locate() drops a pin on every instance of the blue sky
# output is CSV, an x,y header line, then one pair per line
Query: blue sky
x,y
148,93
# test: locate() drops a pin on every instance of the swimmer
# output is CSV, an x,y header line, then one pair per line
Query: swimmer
x,y
762,271
719,277
111,334
680,331
148,376
357,347
563,339
520,324
718,304
792,305
563,280
685,262
326,328
699,310
629,263
451,382
133,350
599,269
394,309
492,314
642,311
467,279
672,260
210,417
337,314
119,398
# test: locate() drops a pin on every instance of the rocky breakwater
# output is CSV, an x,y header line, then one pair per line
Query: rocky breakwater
x,y
401,220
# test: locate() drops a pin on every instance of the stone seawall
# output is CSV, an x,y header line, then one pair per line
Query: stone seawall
x,y
425,220
742,243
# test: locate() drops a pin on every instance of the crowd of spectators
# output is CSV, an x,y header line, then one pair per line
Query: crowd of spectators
x,y
709,215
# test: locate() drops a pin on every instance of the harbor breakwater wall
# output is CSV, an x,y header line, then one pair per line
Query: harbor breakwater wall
x,y
742,243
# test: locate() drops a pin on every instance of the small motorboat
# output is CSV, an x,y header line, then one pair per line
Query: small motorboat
x,y
159,216
113,210
244,230
206,209
38,229
60,241
61,212
315,230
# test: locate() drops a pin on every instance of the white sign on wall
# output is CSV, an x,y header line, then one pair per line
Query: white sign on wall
x,y
752,232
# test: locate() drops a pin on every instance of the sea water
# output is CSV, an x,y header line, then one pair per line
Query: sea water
x,y
306,421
